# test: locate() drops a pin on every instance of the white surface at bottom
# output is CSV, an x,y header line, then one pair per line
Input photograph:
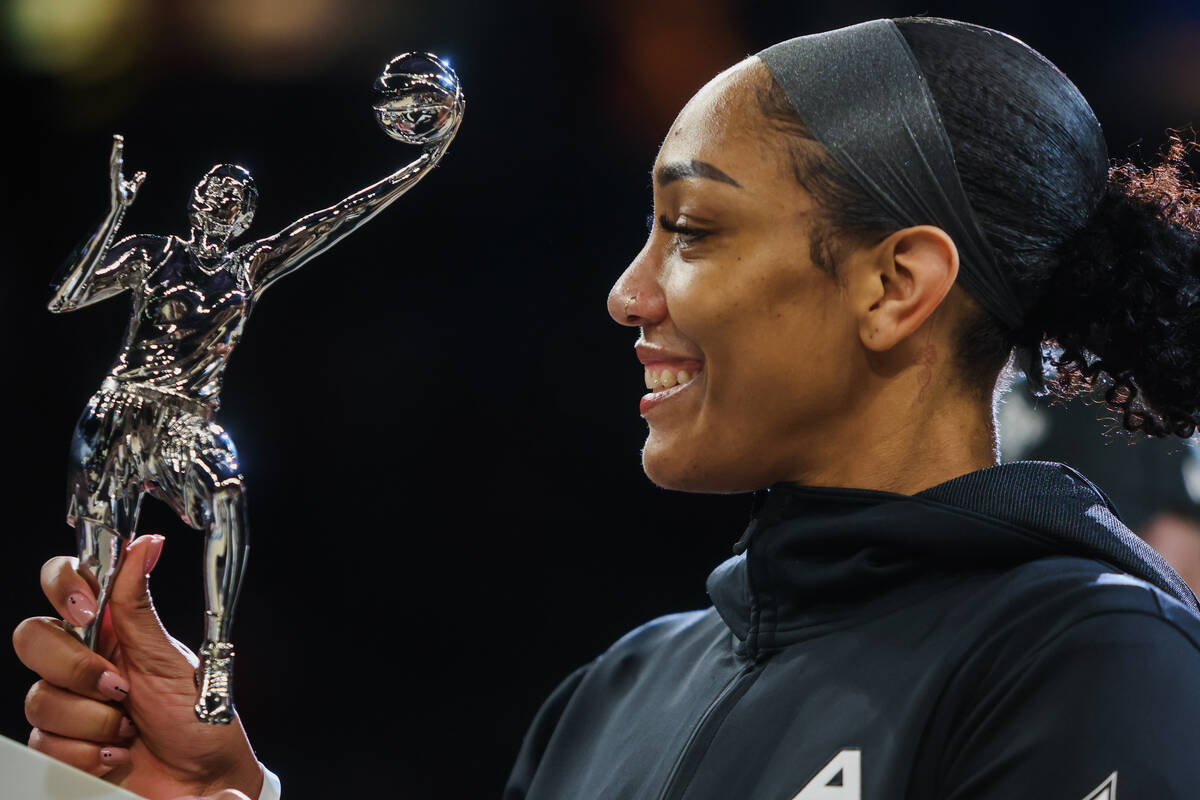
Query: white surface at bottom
x,y
29,775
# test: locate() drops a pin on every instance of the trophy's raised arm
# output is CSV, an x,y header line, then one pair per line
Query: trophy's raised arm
x,y
150,428
84,280
418,101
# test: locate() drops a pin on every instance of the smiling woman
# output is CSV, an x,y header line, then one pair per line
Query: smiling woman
x,y
853,233
789,366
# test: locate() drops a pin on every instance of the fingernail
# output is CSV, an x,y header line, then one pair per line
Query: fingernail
x,y
113,686
114,755
127,730
153,551
80,609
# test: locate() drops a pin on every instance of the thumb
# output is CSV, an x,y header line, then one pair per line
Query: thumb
x,y
135,623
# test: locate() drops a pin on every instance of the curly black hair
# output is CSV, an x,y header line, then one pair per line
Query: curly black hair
x,y
1106,259
1124,306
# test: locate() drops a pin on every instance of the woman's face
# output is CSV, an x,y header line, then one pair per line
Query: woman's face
x,y
756,344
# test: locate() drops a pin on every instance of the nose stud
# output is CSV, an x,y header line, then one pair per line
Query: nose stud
x,y
630,299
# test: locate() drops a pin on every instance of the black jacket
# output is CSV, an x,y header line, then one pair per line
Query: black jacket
x,y
1001,635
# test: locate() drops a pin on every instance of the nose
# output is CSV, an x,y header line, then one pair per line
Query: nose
x,y
637,299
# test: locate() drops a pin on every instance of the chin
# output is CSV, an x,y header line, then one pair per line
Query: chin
x,y
674,469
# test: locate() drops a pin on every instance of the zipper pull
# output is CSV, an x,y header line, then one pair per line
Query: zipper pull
x,y
756,505
741,544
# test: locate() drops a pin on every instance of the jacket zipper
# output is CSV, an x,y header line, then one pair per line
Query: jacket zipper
x,y
688,761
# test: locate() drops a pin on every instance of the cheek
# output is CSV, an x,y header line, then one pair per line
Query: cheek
x,y
774,337
756,311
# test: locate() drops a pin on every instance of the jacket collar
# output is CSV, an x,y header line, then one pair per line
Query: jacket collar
x,y
813,556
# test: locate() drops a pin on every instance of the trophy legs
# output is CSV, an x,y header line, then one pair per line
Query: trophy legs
x,y
224,562
101,541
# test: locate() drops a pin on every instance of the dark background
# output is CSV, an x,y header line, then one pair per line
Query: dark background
x,y
437,419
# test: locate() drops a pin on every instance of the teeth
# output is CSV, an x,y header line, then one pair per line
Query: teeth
x,y
666,379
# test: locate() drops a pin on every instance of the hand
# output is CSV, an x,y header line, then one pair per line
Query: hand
x,y
123,191
125,712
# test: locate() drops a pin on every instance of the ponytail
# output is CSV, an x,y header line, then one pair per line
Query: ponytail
x,y
1122,311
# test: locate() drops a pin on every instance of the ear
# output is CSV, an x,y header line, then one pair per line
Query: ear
x,y
900,284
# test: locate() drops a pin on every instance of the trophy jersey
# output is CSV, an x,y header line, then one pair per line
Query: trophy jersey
x,y
186,318
150,427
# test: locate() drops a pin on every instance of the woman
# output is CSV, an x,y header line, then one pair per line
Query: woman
x,y
852,234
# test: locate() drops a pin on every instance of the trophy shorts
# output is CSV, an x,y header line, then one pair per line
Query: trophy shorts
x,y
127,443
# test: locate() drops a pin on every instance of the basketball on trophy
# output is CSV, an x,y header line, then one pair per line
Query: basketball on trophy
x,y
418,99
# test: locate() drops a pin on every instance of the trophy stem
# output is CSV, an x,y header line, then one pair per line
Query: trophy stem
x,y
100,551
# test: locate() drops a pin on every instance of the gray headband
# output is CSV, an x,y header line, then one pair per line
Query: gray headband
x,y
862,95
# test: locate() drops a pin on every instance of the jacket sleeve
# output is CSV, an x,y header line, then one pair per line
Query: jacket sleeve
x,y
1109,709
538,735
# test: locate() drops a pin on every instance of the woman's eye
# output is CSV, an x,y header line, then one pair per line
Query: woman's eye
x,y
684,234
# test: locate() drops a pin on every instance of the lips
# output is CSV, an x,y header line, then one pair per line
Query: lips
x,y
666,380
667,372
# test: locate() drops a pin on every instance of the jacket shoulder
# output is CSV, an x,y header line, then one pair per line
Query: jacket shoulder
x,y
1068,649
661,630
1069,589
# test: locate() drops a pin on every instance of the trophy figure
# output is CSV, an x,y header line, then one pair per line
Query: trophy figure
x,y
150,429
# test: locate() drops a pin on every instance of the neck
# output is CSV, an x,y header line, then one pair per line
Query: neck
x,y
906,438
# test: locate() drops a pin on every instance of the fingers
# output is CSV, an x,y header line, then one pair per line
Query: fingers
x,y
129,189
96,759
53,710
116,160
135,623
67,590
62,660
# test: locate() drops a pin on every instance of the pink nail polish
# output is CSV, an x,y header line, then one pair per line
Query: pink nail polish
x,y
127,730
80,609
114,755
113,686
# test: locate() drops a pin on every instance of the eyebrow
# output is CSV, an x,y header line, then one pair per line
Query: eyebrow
x,y
691,169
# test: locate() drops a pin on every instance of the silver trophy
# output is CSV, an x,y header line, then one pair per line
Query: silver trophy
x,y
150,428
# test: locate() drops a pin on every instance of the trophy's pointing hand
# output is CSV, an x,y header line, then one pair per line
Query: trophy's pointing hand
x,y
123,191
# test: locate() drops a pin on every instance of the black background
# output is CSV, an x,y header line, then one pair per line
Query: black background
x,y
437,419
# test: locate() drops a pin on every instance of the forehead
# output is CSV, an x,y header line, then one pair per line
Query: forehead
x,y
721,120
